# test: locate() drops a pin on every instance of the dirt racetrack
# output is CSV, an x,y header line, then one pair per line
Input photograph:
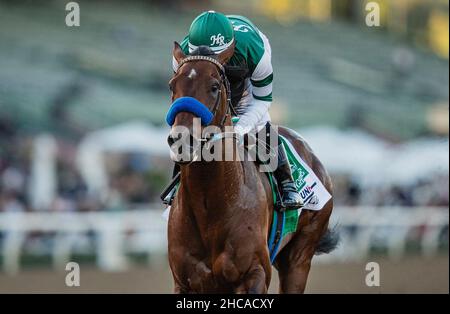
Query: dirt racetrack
x,y
412,275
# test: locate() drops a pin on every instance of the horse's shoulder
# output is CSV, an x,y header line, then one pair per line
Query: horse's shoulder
x,y
253,173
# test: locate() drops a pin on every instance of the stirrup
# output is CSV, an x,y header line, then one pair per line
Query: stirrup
x,y
169,198
169,192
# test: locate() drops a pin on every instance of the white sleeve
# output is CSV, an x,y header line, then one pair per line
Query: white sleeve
x,y
262,76
255,110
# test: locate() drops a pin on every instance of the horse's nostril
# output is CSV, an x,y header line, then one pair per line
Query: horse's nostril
x,y
170,140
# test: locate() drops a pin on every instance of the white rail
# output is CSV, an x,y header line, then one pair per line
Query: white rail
x,y
361,229
110,230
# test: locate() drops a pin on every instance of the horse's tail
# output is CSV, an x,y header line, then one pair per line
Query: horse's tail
x,y
329,241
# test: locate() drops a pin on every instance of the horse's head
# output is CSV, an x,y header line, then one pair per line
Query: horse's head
x,y
200,94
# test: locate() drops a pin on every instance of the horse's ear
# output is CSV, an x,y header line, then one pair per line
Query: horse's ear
x,y
226,55
178,53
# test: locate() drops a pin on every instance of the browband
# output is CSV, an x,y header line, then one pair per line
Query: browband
x,y
202,58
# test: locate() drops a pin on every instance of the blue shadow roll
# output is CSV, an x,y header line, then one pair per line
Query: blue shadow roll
x,y
192,105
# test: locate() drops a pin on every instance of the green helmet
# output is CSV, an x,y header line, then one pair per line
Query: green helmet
x,y
211,29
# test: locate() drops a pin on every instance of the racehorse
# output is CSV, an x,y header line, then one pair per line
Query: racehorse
x,y
220,218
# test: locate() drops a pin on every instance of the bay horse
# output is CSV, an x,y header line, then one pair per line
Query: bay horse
x,y
220,218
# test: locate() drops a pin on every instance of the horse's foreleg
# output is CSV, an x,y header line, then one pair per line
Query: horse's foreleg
x,y
254,281
201,278
178,289
191,275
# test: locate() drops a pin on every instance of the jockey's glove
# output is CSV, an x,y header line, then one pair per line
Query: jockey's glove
x,y
241,132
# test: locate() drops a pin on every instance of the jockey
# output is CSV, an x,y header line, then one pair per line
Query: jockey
x,y
250,74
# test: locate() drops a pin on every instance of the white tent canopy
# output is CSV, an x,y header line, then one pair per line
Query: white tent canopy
x,y
374,161
133,136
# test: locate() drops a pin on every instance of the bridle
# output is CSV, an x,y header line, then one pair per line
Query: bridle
x,y
223,82
207,140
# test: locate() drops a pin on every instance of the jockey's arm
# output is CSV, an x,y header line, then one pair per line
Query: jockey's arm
x,y
252,117
261,95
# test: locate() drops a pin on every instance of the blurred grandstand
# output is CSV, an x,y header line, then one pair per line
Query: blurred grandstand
x,y
82,119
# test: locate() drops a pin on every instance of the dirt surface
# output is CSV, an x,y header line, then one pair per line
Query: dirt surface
x,y
414,275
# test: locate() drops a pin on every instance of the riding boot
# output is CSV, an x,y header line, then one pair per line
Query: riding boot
x,y
290,196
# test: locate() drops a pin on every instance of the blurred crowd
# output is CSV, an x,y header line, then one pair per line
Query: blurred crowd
x,y
132,180
429,192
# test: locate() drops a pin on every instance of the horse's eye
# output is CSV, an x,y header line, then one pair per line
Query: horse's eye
x,y
214,88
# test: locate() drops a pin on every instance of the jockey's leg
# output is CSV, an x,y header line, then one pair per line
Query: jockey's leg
x,y
290,196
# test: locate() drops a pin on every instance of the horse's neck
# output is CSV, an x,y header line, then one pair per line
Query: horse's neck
x,y
212,184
